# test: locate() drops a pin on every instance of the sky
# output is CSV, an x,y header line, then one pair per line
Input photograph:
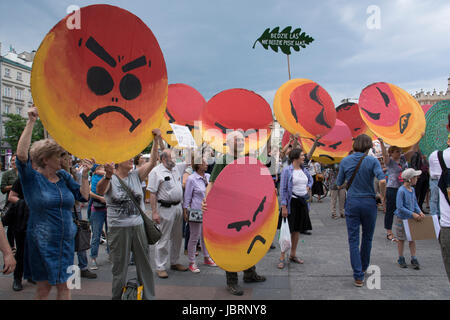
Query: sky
x,y
207,44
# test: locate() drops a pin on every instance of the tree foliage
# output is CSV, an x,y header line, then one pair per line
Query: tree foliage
x,y
14,126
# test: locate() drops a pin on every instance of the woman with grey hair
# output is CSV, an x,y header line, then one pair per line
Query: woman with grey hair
x,y
50,194
126,233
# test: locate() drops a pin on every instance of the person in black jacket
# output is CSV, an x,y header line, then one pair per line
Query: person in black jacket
x,y
419,162
19,225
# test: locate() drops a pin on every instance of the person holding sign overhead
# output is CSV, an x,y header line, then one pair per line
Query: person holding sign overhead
x,y
165,184
236,146
395,163
50,194
126,233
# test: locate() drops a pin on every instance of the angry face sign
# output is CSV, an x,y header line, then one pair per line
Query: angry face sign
x,y
101,89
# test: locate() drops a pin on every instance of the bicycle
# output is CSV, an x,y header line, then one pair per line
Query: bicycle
x,y
325,185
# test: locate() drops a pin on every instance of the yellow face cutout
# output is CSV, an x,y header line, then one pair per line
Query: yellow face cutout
x,y
99,90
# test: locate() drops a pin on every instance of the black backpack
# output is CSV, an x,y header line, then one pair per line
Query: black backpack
x,y
444,181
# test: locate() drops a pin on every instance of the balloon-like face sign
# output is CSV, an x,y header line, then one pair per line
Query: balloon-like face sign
x,y
304,107
436,133
101,89
184,107
378,104
392,114
239,225
333,147
236,109
349,114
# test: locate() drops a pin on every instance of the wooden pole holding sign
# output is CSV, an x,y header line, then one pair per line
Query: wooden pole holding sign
x,y
289,67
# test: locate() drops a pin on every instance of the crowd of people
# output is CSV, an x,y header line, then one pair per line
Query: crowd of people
x,y
47,191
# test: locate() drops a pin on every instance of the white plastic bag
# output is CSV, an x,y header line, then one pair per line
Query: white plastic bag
x,y
285,236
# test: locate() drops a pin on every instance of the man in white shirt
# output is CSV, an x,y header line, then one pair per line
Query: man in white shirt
x,y
435,174
444,236
165,183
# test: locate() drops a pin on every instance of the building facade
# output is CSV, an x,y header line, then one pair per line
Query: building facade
x,y
432,98
15,90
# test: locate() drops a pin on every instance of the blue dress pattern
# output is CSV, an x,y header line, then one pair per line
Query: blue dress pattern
x,y
50,241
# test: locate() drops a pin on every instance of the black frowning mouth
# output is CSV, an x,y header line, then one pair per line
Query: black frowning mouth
x,y
257,238
326,156
88,119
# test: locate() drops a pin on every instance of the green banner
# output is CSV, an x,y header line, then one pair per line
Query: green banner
x,y
284,40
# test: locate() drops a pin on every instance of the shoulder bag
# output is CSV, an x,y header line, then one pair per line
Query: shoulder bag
x,y
84,233
195,215
83,236
151,229
8,213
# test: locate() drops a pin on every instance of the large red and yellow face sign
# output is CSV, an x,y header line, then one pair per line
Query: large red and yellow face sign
x,y
184,107
235,110
101,89
333,147
349,114
240,223
303,106
392,114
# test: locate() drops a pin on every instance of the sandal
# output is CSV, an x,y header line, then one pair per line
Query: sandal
x,y
281,264
333,216
296,260
391,237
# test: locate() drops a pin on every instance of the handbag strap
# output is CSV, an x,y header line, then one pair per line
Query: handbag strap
x,y
354,172
130,194
441,161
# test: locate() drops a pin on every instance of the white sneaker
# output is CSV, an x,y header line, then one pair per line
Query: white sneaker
x,y
94,265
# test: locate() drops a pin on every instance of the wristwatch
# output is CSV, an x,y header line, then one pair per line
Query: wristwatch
x,y
107,178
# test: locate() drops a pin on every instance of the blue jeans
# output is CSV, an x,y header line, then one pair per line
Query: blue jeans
x,y
360,212
91,200
82,257
98,218
434,197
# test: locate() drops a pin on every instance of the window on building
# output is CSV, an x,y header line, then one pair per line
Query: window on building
x,y
7,91
7,107
7,73
19,110
19,94
19,76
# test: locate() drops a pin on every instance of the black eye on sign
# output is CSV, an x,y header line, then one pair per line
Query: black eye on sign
x,y
99,81
130,87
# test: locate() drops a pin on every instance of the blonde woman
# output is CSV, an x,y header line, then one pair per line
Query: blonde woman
x,y
50,194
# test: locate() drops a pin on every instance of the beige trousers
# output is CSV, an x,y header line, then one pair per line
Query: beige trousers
x,y
335,194
171,227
